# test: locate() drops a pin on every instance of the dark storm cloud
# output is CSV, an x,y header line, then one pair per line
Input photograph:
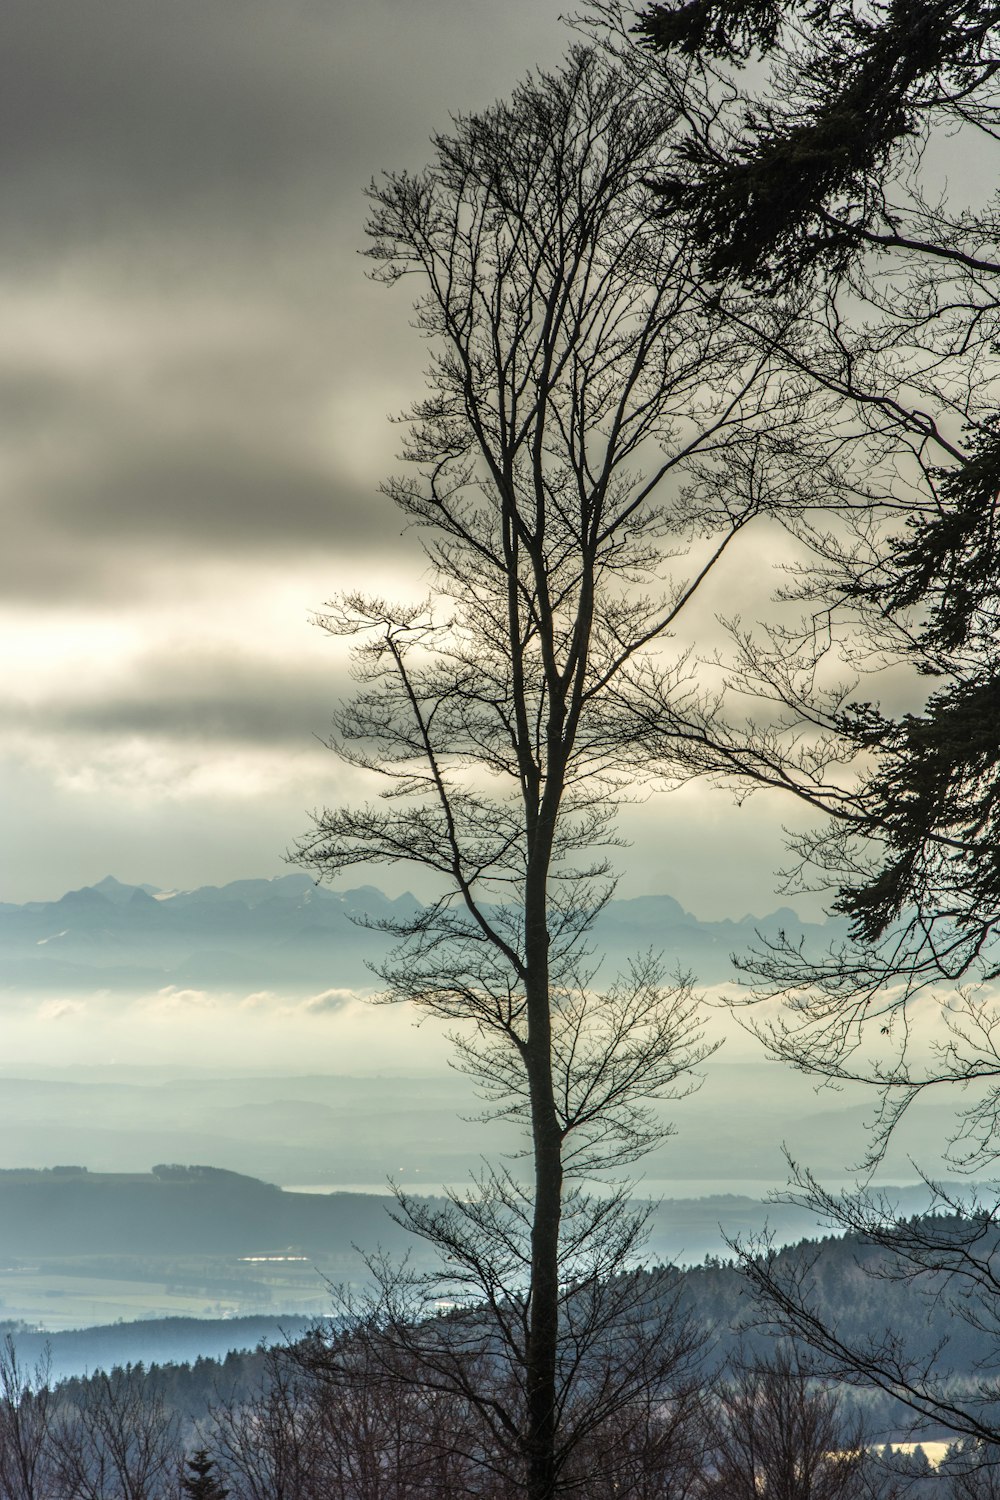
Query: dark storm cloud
x,y
159,114
139,114
218,500
201,164
193,380
113,532
184,696
205,162
156,455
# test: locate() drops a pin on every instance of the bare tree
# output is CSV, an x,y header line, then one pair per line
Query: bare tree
x,y
947,1259
629,1373
657,1446
778,1434
347,1423
972,1471
269,1444
568,474
25,1417
812,177
388,1433
116,1439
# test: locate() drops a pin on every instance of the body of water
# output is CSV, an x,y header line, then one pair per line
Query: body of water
x,y
651,1187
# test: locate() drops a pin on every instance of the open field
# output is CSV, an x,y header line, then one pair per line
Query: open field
x,y
57,1295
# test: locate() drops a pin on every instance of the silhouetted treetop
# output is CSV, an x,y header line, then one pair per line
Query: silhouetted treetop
x,y
800,181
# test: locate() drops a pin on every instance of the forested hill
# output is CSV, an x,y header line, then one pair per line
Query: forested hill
x,y
847,1296
849,1291
289,931
81,1248
176,1210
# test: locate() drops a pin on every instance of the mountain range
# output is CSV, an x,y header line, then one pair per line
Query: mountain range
x,y
94,1073
289,932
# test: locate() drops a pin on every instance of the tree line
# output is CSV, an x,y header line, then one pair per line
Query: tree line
x,y
305,1426
344,1413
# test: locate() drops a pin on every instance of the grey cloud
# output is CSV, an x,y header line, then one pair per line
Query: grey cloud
x,y
182,206
90,562
172,159
128,114
134,115
110,495
54,839
218,499
32,400
186,696
330,1002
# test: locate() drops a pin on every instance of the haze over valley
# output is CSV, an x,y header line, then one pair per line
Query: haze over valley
x,y
142,1026
232,987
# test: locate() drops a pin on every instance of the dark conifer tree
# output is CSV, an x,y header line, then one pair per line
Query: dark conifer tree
x,y
813,187
201,1481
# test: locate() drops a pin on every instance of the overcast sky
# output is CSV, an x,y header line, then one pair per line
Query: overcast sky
x,y
194,382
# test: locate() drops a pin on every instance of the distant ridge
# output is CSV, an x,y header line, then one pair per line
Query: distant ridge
x,y
289,932
115,890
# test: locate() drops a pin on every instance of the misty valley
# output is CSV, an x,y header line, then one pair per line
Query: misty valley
x,y
80,1247
82,1250
220,1203
296,1166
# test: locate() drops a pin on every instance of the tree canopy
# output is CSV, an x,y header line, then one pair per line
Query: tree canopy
x,y
567,472
813,177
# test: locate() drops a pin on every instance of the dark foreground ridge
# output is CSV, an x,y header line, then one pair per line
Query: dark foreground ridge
x,y
192,1360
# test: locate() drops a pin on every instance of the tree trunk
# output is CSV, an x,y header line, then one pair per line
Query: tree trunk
x,y
543,1328
543,1324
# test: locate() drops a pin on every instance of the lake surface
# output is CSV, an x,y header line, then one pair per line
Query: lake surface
x,y
757,1188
